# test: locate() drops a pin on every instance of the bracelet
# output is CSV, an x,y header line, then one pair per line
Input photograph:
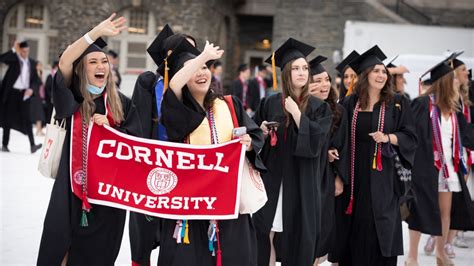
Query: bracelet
x,y
389,141
88,39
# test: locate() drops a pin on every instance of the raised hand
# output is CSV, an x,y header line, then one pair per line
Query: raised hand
x,y
212,52
291,106
110,27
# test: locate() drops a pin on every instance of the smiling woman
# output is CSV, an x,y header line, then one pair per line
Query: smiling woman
x,y
84,90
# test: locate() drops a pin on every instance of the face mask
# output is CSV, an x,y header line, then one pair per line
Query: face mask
x,y
94,89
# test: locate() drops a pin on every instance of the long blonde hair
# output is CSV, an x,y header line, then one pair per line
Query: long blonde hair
x,y
447,98
88,105
289,90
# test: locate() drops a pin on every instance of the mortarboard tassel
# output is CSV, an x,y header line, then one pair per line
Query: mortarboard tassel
x,y
176,230
349,207
374,162
274,75
84,222
351,86
186,234
165,86
379,158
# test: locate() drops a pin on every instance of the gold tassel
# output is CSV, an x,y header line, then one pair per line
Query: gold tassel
x,y
374,162
166,76
274,74
351,86
186,234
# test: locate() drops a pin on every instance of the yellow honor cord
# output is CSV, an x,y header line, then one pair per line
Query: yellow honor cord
x,y
274,75
166,76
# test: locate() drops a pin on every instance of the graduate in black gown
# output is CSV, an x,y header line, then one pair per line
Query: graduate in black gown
x,y
334,177
435,181
75,233
348,75
378,120
398,79
290,221
19,84
188,110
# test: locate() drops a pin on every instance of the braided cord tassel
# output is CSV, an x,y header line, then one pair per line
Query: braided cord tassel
x,y
353,146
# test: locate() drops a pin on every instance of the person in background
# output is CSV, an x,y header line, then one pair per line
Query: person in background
x,y
398,79
239,87
348,75
48,92
257,89
216,82
114,62
37,102
15,94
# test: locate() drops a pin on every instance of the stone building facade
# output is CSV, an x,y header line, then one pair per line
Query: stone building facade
x,y
246,29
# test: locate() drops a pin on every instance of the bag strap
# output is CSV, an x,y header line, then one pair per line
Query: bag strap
x,y
230,104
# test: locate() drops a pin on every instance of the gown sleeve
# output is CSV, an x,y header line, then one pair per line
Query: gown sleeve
x,y
142,99
406,131
131,124
467,131
340,142
313,129
8,58
178,119
64,100
255,133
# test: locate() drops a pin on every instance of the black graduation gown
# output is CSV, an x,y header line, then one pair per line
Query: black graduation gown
x,y
237,89
237,237
425,214
253,94
376,207
11,104
462,210
331,224
144,231
99,243
295,162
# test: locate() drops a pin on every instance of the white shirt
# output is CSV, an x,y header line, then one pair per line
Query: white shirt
x,y
23,81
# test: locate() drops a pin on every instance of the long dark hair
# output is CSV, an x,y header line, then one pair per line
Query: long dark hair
x,y
362,88
336,112
288,90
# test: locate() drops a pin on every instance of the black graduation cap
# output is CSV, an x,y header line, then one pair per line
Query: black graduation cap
x,y
390,63
441,69
24,44
373,56
156,49
290,50
315,65
97,46
457,63
175,61
345,63
427,82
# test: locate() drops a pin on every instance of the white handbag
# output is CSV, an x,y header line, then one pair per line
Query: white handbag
x,y
52,147
252,190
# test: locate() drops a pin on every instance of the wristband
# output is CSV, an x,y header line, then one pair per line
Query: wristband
x,y
389,141
88,39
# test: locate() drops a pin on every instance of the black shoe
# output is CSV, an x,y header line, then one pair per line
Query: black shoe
x,y
5,149
36,147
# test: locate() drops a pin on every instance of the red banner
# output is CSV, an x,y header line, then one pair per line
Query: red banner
x,y
164,179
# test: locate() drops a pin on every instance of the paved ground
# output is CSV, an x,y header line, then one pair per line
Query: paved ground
x,y
24,197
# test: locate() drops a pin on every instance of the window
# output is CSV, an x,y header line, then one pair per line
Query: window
x,y
31,22
131,44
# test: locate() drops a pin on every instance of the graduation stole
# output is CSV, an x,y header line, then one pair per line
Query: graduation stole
x,y
467,115
78,158
376,161
438,151
159,90
215,128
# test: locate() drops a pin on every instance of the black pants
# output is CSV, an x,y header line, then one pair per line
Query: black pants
x,y
17,116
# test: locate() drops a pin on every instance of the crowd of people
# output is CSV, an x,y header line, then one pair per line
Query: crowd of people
x,y
342,166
